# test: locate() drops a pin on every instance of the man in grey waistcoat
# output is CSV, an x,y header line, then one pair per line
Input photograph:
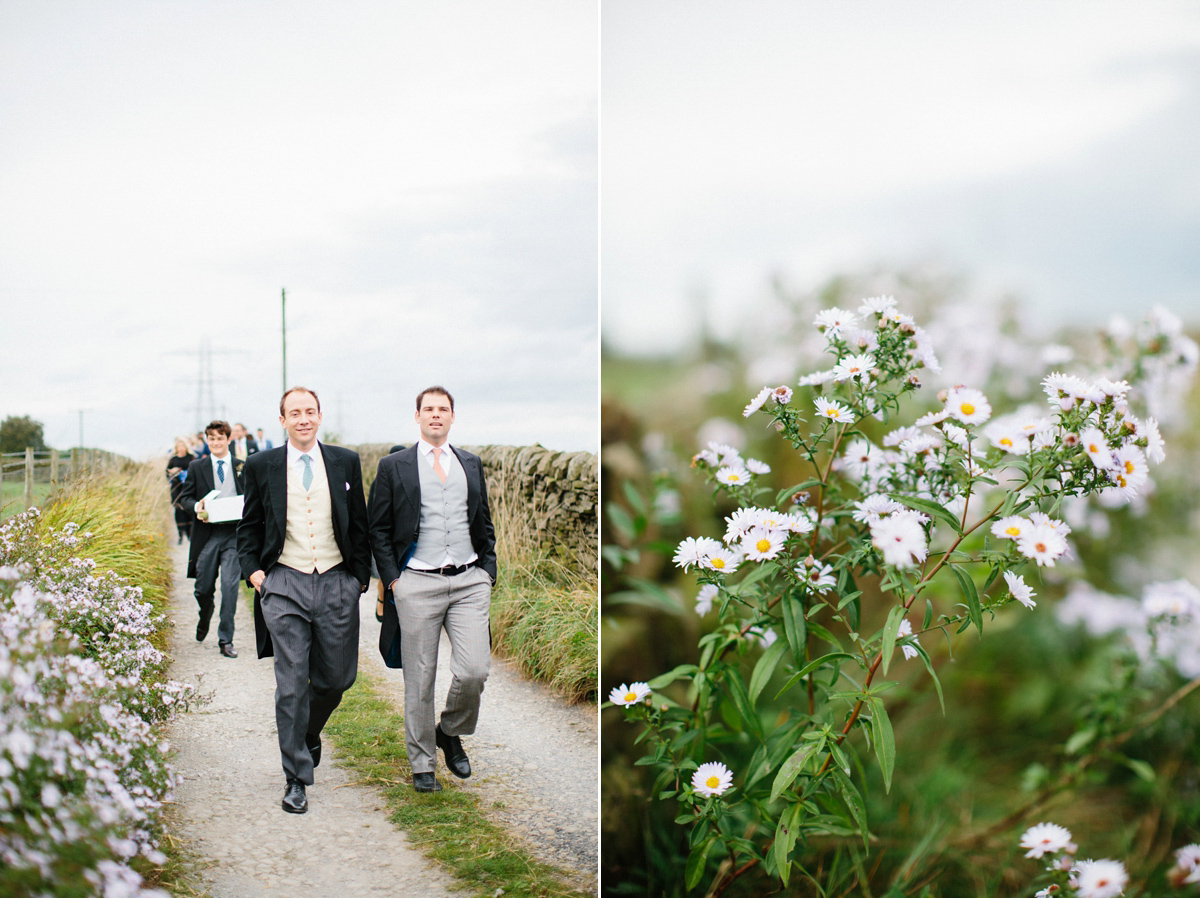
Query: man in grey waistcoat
x,y
303,546
434,546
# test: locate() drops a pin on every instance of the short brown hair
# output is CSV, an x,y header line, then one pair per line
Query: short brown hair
x,y
219,427
442,390
299,390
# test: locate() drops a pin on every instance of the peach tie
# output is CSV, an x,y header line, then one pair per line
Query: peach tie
x,y
437,464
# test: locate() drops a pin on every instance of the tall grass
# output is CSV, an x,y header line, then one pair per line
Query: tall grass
x,y
544,611
123,511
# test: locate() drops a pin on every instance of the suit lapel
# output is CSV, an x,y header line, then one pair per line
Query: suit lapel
x,y
277,485
410,476
337,489
472,474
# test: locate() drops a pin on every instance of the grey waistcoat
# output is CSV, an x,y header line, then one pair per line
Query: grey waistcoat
x,y
443,516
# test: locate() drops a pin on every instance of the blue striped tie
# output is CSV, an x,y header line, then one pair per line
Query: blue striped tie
x,y
221,470
308,474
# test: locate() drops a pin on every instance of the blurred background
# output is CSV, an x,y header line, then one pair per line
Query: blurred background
x,y
421,178
1021,177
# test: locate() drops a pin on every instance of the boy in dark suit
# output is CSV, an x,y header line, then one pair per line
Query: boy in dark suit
x,y
214,545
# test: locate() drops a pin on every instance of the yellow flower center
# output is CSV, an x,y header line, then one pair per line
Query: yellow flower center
x,y
713,781
718,563
630,697
762,545
1092,447
1013,531
1005,441
1041,547
1121,481
1129,467
967,408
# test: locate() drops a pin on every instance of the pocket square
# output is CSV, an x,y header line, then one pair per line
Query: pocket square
x,y
347,486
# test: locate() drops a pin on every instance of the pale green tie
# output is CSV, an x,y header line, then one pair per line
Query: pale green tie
x,y
307,479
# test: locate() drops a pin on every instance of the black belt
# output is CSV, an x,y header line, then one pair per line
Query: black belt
x,y
449,570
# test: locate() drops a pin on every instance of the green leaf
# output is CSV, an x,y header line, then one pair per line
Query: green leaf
x,y
621,520
854,803
696,863
764,570
793,765
1141,768
885,740
678,673
785,839
794,627
633,497
972,596
933,509
648,594
765,668
1079,740
813,665
741,700
937,684
887,646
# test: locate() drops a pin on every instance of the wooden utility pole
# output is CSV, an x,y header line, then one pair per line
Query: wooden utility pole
x,y
283,327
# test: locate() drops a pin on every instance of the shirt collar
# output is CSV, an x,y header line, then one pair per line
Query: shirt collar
x,y
293,454
426,448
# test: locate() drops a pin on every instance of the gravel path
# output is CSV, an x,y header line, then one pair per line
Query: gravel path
x,y
533,758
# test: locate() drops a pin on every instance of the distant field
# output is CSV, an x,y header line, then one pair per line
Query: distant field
x,y
12,497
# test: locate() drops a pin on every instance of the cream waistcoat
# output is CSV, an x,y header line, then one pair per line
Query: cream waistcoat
x,y
308,542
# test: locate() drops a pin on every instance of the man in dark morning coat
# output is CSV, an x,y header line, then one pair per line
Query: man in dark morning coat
x,y
214,546
304,548
431,533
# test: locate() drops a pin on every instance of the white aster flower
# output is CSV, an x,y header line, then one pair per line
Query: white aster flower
x,y
820,578
1154,442
723,561
906,630
1019,589
1042,543
1045,838
930,419
740,522
817,377
875,507
765,638
919,444
834,411
876,305
968,405
1063,389
1100,879
834,321
754,466
695,551
782,394
711,779
900,434
761,544
704,598
852,366
756,403
1096,446
1130,469
629,695
733,476
1006,435
1178,598
901,539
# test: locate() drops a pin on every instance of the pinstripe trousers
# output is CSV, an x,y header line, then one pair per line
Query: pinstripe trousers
x,y
313,621
425,603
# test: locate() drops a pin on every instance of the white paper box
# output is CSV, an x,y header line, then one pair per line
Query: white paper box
x,y
222,510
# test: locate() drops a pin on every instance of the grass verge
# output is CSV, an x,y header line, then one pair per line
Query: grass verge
x,y
448,826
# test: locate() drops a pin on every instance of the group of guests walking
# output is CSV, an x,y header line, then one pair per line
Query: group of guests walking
x,y
187,449
308,543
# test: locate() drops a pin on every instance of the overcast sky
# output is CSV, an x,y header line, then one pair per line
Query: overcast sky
x,y
1048,149
421,177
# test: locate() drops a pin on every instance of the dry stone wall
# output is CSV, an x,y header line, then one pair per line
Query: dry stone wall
x,y
535,493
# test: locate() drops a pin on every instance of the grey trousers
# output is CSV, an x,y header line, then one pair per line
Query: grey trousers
x,y
313,621
220,551
425,603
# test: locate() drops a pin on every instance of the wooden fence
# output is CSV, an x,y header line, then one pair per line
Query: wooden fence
x,y
52,468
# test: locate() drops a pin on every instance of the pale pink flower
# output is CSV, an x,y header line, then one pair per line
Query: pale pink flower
x,y
1100,879
1045,838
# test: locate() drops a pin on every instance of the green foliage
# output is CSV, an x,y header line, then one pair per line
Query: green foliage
x,y
18,433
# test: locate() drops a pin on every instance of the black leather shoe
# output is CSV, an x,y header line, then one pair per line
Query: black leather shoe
x,y
228,650
206,613
313,743
294,799
426,782
456,758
